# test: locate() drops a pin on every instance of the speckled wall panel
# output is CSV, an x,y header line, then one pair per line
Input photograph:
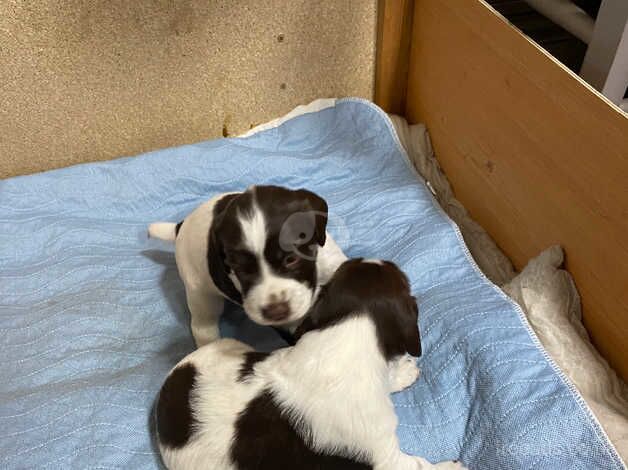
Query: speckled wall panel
x,y
84,80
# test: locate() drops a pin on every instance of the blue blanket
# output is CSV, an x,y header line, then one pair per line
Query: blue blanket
x,y
93,315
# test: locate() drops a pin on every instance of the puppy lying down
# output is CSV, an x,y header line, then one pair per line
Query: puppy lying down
x,y
321,404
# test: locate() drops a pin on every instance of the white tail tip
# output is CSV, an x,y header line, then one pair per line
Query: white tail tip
x,y
163,230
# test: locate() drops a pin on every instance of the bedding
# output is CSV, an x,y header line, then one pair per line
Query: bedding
x,y
490,259
552,305
93,314
546,294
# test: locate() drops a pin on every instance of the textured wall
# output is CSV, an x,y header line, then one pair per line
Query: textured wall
x,y
84,80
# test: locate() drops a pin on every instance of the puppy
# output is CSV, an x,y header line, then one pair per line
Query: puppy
x,y
259,249
321,404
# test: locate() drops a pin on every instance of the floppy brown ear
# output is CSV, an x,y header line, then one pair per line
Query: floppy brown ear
x,y
319,206
306,325
218,269
411,336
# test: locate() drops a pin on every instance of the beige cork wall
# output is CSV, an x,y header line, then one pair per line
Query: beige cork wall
x,y
86,80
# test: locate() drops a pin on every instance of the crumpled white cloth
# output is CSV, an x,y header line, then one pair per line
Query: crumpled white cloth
x,y
549,297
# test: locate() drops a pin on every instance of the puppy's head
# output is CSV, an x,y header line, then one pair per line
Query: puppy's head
x,y
267,241
375,288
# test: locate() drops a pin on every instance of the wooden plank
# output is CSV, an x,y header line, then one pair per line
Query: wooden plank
x,y
535,154
394,28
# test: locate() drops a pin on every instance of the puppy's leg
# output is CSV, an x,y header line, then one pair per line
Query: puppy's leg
x,y
205,310
402,372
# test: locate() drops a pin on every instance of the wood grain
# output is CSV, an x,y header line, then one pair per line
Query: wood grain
x,y
535,154
394,31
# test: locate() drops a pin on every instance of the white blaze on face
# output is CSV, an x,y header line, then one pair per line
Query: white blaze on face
x,y
253,224
269,288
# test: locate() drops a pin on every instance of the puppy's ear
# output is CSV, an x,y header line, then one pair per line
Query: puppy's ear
x,y
216,257
410,328
319,206
220,212
306,325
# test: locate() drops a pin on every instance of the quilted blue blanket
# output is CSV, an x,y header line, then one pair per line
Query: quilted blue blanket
x,y
93,314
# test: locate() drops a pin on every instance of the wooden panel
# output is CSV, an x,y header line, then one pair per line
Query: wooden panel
x,y
394,28
535,155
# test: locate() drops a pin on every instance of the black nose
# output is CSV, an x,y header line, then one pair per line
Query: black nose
x,y
277,311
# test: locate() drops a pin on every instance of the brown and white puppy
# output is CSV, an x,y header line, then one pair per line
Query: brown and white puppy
x,y
321,404
265,249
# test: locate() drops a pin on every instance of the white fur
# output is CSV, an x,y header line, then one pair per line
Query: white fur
x,y
253,226
163,230
335,380
374,261
329,258
236,281
402,372
205,300
270,288
217,402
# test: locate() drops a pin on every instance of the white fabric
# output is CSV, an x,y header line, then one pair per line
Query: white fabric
x,y
549,297
312,107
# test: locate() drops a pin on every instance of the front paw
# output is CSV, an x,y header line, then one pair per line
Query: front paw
x,y
403,373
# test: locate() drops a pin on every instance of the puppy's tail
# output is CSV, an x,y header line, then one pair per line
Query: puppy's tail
x,y
164,230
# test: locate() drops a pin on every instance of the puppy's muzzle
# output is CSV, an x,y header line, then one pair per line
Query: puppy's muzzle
x,y
276,312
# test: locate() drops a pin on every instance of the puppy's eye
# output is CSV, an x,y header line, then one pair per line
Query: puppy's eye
x,y
242,260
291,261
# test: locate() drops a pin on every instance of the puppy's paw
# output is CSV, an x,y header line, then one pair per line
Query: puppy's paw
x,y
402,373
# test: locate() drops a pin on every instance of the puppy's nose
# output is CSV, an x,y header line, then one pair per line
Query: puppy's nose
x,y
277,311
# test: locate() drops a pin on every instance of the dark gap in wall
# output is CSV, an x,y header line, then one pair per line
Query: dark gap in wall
x,y
553,38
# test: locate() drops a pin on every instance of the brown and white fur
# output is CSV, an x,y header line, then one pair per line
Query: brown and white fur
x,y
321,404
265,248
